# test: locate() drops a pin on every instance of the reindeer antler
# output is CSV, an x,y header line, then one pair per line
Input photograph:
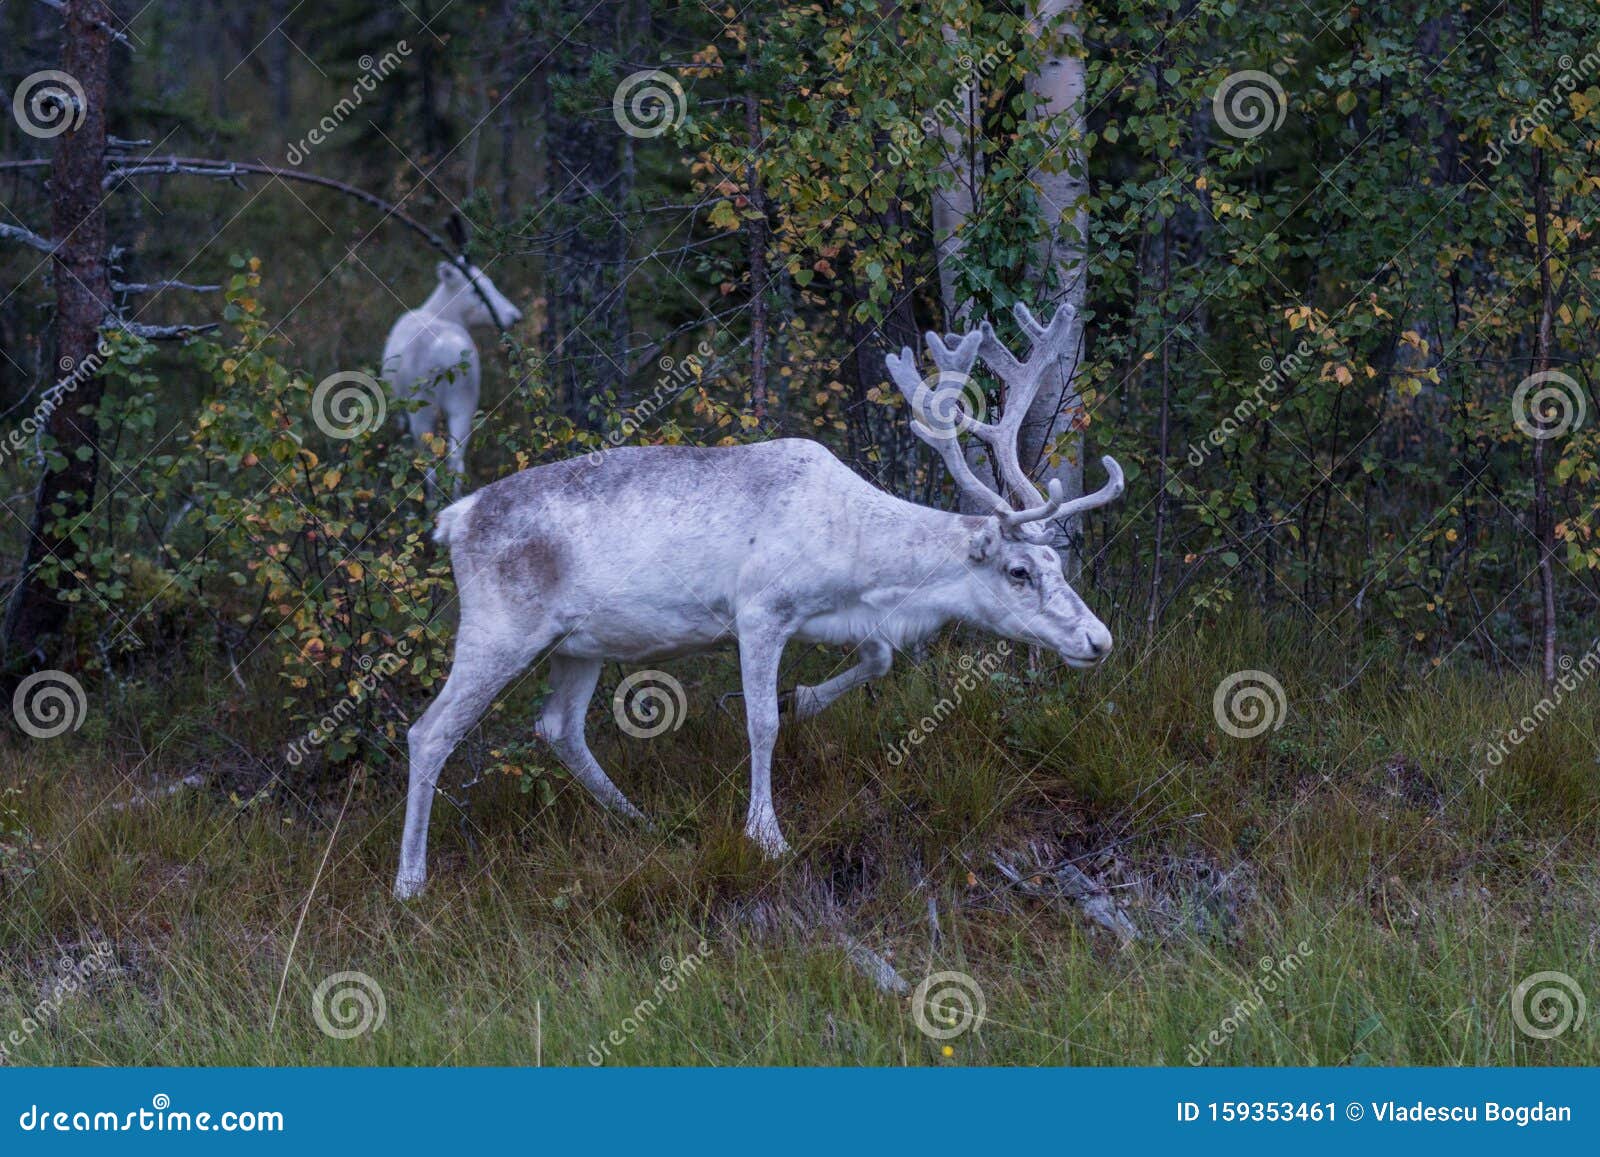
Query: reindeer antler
x,y
954,354
957,361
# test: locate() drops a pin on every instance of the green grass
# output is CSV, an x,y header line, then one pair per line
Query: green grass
x,y
1414,883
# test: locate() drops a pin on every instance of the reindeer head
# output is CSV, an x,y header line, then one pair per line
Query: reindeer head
x,y
1016,581
469,306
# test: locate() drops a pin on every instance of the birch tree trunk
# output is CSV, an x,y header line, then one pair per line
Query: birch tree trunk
x,y
954,202
960,170
1061,185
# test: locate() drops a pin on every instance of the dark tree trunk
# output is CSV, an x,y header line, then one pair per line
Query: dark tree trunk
x,y
758,262
278,61
1541,363
586,304
83,294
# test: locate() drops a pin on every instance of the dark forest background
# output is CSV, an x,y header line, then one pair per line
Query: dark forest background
x,y
1304,332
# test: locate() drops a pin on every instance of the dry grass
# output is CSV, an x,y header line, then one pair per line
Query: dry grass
x,y
1414,883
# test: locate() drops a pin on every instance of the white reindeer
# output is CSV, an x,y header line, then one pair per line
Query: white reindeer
x,y
643,553
431,356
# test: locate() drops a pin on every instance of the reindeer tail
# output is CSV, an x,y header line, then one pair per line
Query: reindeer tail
x,y
448,524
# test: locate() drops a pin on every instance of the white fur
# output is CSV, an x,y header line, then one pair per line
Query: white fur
x,y
430,355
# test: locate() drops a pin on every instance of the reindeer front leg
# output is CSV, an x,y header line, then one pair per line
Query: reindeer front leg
x,y
761,645
876,658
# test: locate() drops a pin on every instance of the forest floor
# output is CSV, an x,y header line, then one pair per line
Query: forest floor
x,y
1368,882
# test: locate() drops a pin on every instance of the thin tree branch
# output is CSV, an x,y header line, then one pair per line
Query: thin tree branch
x,y
27,237
58,6
223,170
158,286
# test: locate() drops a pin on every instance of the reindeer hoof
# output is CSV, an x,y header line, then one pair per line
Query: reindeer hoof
x,y
769,839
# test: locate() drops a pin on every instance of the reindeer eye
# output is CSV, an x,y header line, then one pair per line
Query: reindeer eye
x,y
1019,574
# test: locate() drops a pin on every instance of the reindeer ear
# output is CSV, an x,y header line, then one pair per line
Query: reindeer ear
x,y
985,542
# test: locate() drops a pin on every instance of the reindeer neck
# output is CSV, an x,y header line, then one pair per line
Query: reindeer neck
x,y
443,306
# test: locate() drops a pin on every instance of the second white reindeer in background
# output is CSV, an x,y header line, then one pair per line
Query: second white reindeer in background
x,y
430,356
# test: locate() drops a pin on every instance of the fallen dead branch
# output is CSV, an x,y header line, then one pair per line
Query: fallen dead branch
x,y
143,798
1066,884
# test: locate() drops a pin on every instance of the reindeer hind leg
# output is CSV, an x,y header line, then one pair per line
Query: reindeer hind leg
x,y
481,668
572,683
